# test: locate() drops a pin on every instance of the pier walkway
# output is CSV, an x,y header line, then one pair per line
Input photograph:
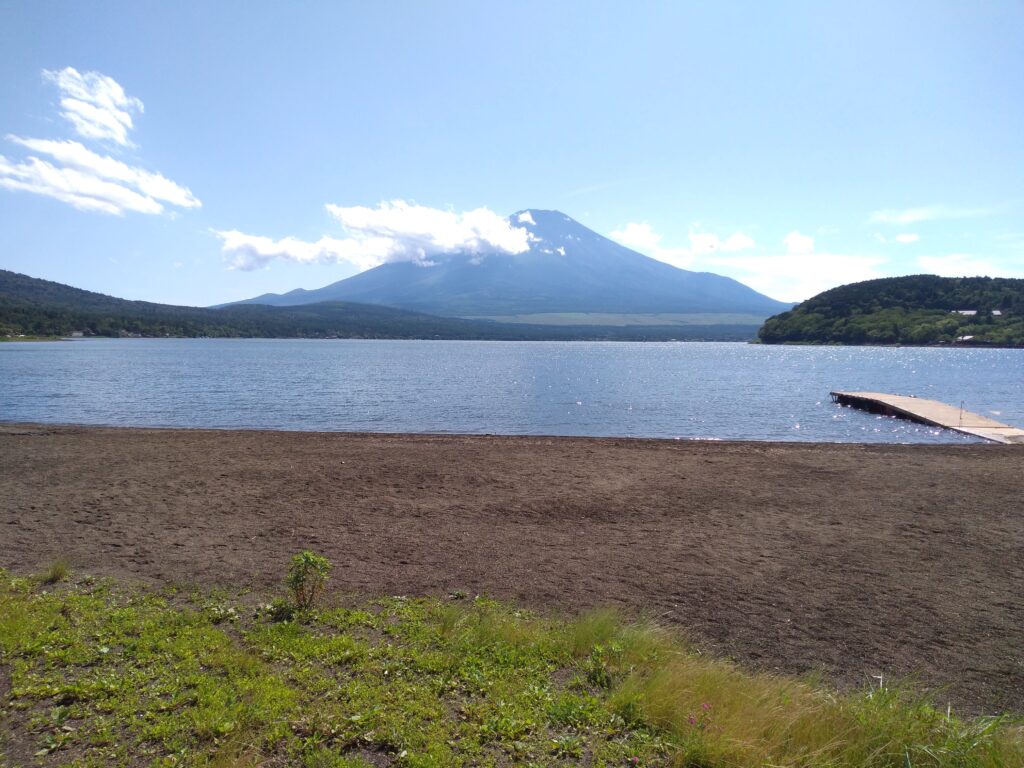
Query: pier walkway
x,y
932,412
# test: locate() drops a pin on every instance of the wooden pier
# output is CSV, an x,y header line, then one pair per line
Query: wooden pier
x,y
932,412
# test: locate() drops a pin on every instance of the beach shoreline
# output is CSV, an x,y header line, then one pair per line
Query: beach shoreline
x,y
850,559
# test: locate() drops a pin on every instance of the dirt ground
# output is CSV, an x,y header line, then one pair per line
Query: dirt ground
x,y
853,560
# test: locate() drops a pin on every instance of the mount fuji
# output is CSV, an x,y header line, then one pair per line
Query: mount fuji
x,y
567,269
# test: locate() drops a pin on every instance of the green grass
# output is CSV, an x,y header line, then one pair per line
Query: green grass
x,y
98,674
55,572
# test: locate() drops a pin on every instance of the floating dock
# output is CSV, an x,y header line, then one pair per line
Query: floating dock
x,y
932,412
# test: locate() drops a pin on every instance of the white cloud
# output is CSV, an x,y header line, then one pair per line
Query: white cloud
x,y
706,242
81,190
798,244
903,239
248,252
393,231
798,273
797,276
967,265
86,174
95,104
925,213
637,235
421,231
641,237
80,177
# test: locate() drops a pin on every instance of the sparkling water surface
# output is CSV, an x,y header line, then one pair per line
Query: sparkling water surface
x,y
666,390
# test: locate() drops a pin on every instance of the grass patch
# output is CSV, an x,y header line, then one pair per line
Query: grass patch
x,y
101,675
55,572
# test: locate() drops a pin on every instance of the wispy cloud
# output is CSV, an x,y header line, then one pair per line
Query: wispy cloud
x,y
81,190
393,231
99,109
248,252
792,272
798,276
640,236
96,105
801,271
968,265
904,238
926,213
637,235
95,182
798,244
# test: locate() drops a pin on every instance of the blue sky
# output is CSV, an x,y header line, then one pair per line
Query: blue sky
x,y
205,152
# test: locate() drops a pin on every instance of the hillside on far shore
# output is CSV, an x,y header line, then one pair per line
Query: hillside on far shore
x,y
914,310
33,307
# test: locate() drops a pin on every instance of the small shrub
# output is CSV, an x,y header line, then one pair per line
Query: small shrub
x,y
279,610
58,570
307,575
598,668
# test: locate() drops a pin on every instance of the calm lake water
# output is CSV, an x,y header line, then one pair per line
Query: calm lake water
x,y
668,390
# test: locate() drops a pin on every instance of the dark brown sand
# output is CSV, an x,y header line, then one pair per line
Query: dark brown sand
x,y
854,560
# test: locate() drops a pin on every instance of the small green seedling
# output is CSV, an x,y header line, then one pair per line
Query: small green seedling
x,y
307,575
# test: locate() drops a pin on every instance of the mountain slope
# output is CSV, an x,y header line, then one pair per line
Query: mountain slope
x,y
917,309
568,268
34,307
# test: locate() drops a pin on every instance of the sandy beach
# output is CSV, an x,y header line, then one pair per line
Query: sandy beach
x,y
852,560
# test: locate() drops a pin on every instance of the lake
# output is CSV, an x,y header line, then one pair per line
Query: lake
x,y
666,390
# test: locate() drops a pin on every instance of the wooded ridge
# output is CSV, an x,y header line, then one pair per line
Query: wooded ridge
x,y
912,310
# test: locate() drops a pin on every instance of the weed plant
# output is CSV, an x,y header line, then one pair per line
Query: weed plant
x,y
98,675
307,576
55,572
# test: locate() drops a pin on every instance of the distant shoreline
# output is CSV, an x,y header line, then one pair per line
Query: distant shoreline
x,y
33,427
755,342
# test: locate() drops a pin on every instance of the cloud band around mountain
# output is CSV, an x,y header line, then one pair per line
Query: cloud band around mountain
x,y
393,231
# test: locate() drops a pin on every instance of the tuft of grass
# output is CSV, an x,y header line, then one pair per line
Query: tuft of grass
x,y
55,572
103,675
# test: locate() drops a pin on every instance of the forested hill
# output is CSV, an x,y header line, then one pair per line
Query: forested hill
x,y
915,310
33,307
44,308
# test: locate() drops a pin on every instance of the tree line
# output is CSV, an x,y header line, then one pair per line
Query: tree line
x,y
33,307
913,310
